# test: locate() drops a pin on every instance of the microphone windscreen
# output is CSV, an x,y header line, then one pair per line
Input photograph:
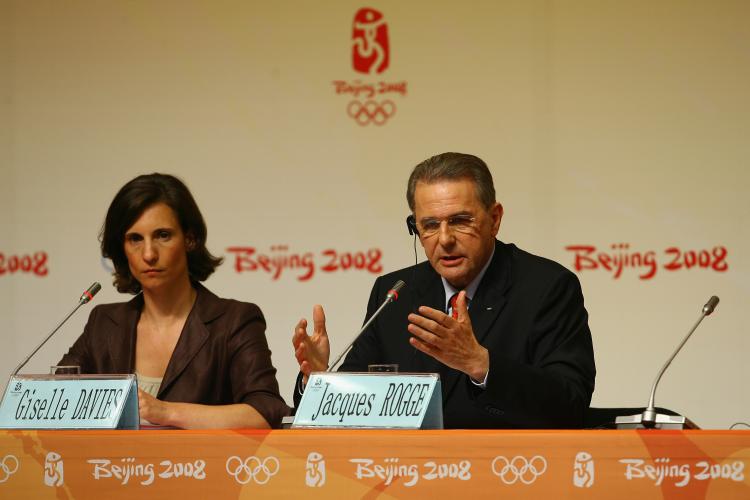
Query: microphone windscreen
x,y
90,292
393,292
711,305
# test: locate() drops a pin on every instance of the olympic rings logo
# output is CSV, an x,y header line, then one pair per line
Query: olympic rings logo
x,y
371,111
252,468
8,467
519,468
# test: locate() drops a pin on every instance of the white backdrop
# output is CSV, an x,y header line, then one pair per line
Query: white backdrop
x,y
604,124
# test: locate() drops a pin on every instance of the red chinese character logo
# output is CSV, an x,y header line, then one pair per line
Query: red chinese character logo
x,y
370,53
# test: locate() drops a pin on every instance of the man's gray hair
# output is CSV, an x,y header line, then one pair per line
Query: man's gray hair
x,y
453,167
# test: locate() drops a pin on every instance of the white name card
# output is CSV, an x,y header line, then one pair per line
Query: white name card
x,y
371,401
70,402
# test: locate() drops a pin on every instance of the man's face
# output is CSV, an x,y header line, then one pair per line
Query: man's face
x,y
456,230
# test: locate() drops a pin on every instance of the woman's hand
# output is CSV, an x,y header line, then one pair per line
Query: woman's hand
x,y
198,416
153,410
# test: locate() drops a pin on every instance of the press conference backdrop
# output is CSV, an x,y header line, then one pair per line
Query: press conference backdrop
x,y
617,133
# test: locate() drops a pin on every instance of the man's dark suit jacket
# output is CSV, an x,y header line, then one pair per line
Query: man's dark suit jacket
x,y
528,312
222,356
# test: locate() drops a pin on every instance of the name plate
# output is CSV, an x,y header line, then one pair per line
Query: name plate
x,y
70,402
371,401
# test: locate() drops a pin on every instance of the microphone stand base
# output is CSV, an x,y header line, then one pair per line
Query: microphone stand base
x,y
662,421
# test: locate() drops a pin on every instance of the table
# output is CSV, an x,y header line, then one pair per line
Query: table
x,y
372,464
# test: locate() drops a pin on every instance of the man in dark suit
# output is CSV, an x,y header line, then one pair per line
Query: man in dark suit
x,y
506,330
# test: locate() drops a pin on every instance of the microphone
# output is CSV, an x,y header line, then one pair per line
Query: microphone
x,y
650,418
391,296
85,299
89,293
710,305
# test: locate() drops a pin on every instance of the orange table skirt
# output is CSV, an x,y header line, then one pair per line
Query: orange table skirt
x,y
374,464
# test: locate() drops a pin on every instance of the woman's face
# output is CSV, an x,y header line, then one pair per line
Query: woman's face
x,y
156,248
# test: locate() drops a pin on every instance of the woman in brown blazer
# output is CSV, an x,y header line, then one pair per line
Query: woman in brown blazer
x,y
201,361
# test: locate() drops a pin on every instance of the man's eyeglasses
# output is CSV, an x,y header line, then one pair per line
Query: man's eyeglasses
x,y
460,223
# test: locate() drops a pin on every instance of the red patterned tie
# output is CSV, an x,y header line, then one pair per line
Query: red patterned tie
x,y
454,307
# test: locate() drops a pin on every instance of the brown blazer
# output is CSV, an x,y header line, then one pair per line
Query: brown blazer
x,y
222,356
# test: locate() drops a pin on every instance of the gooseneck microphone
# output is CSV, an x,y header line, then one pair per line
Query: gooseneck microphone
x,y
391,296
84,299
650,418
649,414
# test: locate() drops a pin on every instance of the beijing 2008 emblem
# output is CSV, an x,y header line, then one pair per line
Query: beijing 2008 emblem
x,y
371,101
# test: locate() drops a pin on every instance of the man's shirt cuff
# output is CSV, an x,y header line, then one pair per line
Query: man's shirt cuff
x,y
483,383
